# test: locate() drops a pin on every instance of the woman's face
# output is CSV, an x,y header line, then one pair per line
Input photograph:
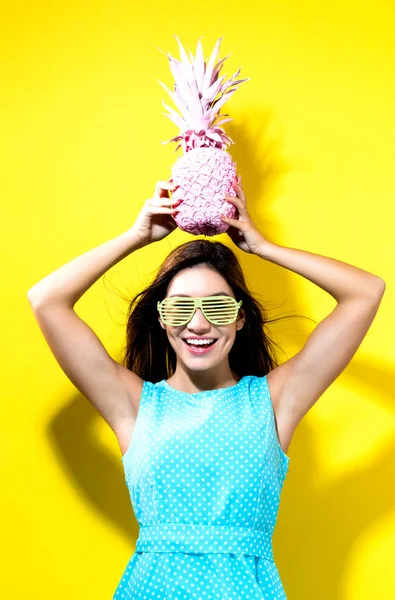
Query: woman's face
x,y
199,282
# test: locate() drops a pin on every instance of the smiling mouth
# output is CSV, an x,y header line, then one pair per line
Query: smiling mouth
x,y
199,346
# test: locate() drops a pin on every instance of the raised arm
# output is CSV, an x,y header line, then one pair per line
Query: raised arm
x,y
297,384
300,381
111,388
114,390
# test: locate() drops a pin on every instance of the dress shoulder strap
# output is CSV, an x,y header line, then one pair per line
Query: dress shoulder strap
x,y
263,406
141,421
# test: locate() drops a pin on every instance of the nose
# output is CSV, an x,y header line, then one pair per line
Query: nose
x,y
198,321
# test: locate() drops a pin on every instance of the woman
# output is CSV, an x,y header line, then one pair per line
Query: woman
x,y
216,413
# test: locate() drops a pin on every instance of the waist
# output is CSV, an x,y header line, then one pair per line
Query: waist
x,y
196,538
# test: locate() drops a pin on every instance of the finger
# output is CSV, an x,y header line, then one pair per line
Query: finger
x,y
241,207
154,209
162,189
235,222
165,201
239,190
166,211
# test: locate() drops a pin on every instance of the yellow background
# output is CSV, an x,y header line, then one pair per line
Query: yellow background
x,y
82,121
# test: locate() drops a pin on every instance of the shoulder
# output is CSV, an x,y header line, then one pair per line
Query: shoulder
x,y
272,383
265,393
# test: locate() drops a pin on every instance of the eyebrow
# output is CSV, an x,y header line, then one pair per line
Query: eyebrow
x,y
216,294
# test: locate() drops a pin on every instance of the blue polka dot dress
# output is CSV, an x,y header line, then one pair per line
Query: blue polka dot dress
x,y
204,473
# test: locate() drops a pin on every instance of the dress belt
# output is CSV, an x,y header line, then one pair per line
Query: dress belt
x,y
196,538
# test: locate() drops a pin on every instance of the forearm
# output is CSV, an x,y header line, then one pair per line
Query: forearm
x,y
68,283
339,279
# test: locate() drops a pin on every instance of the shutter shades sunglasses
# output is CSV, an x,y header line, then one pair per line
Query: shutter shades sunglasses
x,y
179,310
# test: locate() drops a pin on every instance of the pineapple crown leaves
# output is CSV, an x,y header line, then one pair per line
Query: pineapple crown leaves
x,y
196,88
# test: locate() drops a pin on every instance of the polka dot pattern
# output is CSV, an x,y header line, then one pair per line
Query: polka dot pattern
x,y
205,473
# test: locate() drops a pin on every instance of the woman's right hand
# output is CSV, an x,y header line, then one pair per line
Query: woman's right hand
x,y
155,220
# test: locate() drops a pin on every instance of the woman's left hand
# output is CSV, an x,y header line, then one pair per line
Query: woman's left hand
x,y
242,231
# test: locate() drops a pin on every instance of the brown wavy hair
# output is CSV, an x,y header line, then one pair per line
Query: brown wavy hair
x,y
148,352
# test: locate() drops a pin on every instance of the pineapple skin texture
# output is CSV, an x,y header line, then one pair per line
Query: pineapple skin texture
x,y
204,175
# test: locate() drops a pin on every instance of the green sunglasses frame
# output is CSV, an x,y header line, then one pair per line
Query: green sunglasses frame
x,y
198,303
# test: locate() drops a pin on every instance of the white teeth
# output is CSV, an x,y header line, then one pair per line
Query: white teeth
x,y
199,342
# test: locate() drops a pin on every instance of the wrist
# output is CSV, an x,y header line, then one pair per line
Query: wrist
x,y
133,239
266,250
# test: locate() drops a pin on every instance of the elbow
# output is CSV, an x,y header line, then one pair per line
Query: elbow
x,y
30,295
34,298
40,300
381,285
31,298
378,288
